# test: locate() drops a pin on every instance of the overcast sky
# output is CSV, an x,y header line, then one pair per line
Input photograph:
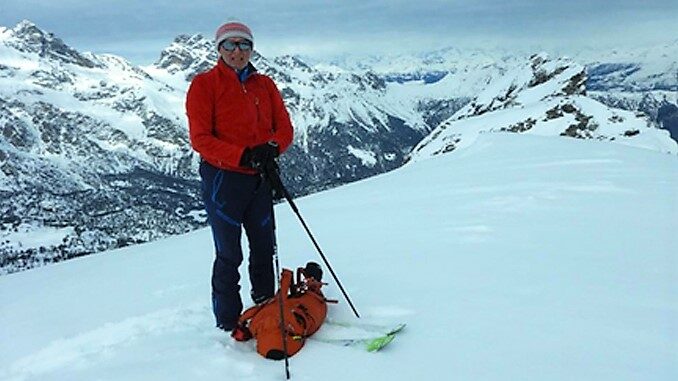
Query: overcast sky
x,y
139,30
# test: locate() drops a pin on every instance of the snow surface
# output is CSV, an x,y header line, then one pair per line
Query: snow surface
x,y
519,257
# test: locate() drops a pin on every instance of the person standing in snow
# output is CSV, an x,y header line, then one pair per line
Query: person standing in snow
x,y
238,124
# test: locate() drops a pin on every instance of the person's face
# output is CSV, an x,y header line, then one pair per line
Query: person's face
x,y
236,52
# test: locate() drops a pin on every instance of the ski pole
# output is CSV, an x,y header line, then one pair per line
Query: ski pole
x,y
283,326
271,173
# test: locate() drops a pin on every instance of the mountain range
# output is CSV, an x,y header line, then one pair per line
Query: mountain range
x,y
95,155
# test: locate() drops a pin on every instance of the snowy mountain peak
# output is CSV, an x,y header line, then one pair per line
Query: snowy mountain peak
x,y
189,55
293,62
27,26
26,37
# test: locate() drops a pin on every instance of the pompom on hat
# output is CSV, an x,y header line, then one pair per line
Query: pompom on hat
x,y
232,29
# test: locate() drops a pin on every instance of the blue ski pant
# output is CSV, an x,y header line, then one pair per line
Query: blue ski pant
x,y
235,200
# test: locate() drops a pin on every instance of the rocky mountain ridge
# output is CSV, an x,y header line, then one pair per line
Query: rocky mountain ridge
x,y
545,97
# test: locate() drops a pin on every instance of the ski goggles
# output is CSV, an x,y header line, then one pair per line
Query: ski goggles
x,y
244,45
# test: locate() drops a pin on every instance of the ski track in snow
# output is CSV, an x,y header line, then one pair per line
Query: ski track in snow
x,y
96,345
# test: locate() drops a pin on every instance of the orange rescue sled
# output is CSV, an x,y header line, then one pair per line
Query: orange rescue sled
x,y
304,309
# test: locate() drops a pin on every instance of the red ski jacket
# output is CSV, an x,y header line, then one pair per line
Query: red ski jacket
x,y
225,116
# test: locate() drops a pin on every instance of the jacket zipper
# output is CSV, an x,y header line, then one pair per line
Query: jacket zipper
x,y
256,99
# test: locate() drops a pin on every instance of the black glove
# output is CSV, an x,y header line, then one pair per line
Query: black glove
x,y
261,156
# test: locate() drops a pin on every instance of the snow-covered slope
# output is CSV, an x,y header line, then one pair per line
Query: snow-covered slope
x,y
543,97
518,257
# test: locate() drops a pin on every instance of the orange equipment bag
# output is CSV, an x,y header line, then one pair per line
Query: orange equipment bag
x,y
304,310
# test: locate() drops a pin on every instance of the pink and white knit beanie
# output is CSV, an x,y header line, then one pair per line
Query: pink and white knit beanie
x,y
232,29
